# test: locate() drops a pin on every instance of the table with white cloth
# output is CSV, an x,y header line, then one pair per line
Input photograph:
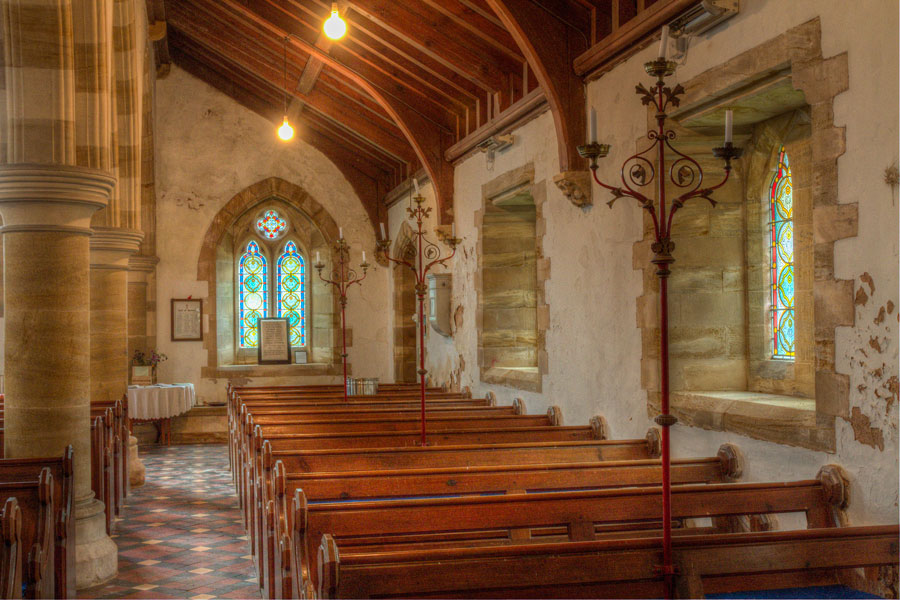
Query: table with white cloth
x,y
159,403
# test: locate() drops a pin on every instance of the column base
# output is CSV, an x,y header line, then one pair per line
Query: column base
x,y
136,471
96,555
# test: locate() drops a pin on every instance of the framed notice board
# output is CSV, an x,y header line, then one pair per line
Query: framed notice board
x,y
274,345
187,320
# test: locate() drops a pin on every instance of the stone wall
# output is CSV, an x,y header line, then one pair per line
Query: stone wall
x,y
208,149
593,341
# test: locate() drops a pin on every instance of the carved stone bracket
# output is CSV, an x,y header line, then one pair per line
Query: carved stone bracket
x,y
576,185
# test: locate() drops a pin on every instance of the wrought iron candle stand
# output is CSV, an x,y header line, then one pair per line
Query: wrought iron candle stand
x,y
342,278
428,255
686,175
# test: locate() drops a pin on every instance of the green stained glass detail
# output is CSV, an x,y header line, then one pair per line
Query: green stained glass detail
x,y
782,240
252,292
290,292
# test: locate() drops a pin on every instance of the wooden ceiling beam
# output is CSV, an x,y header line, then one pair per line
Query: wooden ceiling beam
x,y
380,132
551,46
434,33
273,17
370,183
428,138
273,97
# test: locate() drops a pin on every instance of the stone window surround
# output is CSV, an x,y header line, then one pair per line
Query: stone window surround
x,y
271,250
255,194
405,356
784,420
510,378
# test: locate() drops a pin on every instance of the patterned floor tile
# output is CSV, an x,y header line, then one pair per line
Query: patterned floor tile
x,y
181,535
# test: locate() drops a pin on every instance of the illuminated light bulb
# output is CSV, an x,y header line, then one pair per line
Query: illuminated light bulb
x,y
285,132
335,27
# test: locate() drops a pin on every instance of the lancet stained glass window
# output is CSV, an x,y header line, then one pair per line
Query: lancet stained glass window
x,y
253,295
782,232
271,225
290,292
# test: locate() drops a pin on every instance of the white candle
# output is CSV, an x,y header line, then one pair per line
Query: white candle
x,y
664,42
383,234
453,230
729,124
341,232
318,259
364,256
416,184
593,134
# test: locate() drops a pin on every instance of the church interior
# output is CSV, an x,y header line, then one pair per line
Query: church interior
x,y
449,299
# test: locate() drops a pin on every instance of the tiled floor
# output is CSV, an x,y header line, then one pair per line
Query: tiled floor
x,y
182,534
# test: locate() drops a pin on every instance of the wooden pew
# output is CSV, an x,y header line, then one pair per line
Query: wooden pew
x,y
11,549
259,486
607,569
102,475
62,470
478,520
35,500
439,481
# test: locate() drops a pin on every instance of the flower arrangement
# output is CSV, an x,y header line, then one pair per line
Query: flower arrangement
x,y
150,359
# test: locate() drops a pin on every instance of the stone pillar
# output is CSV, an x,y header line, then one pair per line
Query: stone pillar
x,y
47,204
46,212
139,270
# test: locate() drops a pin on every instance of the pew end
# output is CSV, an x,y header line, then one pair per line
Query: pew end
x,y
518,406
329,567
732,460
599,428
554,414
491,398
11,551
654,442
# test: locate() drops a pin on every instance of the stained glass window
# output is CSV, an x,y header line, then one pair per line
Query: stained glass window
x,y
252,295
782,232
271,225
290,292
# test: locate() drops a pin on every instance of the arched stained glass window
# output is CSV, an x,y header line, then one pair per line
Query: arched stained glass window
x,y
782,232
290,292
252,293
271,225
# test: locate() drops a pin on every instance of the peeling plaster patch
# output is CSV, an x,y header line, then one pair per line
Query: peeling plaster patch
x,y
863,432
890,307
458,316
866,278
861,297
873,343
880,318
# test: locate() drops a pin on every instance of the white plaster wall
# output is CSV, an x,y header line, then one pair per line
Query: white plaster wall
x,y
593,342
209,148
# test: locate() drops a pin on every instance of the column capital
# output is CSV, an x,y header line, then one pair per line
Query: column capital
x,y
112,247
47,197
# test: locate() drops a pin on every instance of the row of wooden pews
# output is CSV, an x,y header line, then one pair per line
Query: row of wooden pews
x,y
37,527
110,430
340,501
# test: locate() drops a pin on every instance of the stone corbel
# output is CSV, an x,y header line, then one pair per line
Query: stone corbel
x,y
576,186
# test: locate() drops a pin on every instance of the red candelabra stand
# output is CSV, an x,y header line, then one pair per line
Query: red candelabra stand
x,y
685,174
342,277
428,255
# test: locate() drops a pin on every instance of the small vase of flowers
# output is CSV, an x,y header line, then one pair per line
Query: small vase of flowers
x,y
143,366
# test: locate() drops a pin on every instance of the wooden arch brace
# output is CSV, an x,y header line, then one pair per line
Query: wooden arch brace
x,y
428,139
551,48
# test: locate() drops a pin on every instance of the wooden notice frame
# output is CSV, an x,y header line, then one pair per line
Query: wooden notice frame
x,y
187,320
274,347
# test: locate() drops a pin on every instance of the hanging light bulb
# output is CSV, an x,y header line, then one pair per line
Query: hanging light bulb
x,y
285,132
335,27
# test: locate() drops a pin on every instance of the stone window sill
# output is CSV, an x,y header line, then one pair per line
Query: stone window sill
x,y
521,378
781,419
310,369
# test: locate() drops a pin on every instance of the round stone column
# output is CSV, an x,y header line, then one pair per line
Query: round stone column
x,y
46,212
140,268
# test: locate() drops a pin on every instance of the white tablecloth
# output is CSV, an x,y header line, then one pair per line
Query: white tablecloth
x,y
160,401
